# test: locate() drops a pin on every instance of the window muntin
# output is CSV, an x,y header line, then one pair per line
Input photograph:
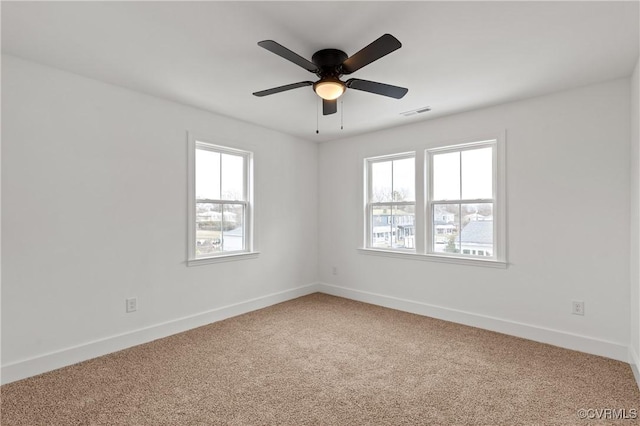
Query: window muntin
x,y
391,203
461,200
220,222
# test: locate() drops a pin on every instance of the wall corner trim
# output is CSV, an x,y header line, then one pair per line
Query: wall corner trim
x,y
558,338
72,355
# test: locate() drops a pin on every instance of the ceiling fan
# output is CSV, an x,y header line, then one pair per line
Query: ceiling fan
x,y
330,64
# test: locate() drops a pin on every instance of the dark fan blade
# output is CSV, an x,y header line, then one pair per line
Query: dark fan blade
x,y
329,107
377,88
376,50
283,88
280,50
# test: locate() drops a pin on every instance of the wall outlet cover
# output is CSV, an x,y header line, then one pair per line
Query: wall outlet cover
x,y
132,304
577,307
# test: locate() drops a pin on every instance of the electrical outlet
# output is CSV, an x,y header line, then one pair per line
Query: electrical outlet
x,y
334,271
577,307
132,304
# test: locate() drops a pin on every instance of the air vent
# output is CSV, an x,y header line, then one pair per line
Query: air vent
x,y
416,111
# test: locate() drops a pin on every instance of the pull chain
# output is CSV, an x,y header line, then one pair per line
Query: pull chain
x,y
341,114
317,116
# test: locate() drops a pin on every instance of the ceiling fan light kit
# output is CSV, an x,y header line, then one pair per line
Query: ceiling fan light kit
x,y
329,88
330,64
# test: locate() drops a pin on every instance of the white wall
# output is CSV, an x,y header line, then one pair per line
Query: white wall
x,y
635,222
568,222
94,185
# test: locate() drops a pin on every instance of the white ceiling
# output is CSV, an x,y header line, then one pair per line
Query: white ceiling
x,y
455,56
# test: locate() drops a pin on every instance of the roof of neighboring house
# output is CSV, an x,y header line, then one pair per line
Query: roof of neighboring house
x,y
236,231
443,223
479,232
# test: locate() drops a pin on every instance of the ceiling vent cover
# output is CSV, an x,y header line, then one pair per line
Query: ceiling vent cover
x,y
416,111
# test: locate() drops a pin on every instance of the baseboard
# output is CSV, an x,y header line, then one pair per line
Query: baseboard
x,y
72,355
634,362
527,331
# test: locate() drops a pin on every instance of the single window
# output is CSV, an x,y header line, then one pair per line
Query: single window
x,y
462,200
220,201
391,202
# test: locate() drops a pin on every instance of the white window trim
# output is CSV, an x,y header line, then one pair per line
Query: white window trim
x,y
499,260
369,205
496,199
194,142
469,261
223,258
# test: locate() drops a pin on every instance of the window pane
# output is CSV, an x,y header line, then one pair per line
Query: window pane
x,y
381,227
446,225
233,227
207,175
381,182
477,173
232,177
404,180
446,176
208,229
403,227
477,229
393,227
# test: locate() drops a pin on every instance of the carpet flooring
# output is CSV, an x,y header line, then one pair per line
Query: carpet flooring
x,y
325,360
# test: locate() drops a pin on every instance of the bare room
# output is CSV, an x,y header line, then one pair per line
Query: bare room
x,y
328,213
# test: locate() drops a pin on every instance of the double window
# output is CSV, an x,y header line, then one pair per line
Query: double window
x,y
457,214
220,201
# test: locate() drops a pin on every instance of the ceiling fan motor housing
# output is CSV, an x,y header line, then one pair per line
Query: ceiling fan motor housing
x,y
329,62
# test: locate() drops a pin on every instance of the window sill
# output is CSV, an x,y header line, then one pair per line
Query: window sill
x,y
487,263
223,258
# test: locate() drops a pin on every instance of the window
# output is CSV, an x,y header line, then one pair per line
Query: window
x,y
220,201
391,202
459,192
461,200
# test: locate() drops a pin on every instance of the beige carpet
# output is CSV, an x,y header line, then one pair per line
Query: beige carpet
x,y
326,360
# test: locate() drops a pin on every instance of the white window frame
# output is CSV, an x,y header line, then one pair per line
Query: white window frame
x,y
194,143
495,199
423,220
369,206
